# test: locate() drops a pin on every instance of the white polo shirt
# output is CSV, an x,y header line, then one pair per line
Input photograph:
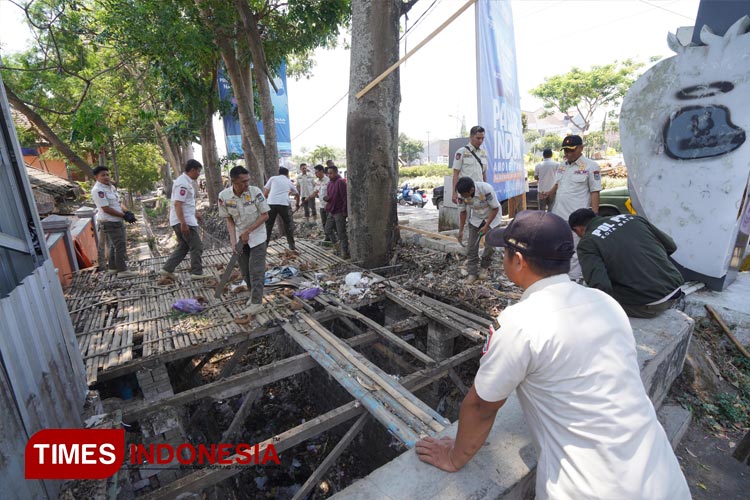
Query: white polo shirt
x,y
546,172
244,210
305,182
569,353
321,186
575,183
183,190
467,165
106,196
279,187
480,205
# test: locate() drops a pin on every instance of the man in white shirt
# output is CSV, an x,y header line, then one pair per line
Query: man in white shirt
x,y
184,220
277,191
577,185
470,160
305,185
321,191
246,211
569,353
544,173
479,200
110,213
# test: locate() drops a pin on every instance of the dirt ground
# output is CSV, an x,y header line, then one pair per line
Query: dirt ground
x,y
721,416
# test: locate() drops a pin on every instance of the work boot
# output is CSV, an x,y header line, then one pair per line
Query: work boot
x,y
167,274
200,276
111,271
484,274
127,274
471,279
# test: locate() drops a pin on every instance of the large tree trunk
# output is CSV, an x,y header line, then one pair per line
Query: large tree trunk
x,y
260,71
242,87
372,132
47,132
210,158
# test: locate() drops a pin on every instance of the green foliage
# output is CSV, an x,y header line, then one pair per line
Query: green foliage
x,y
524,122
424,171
408,148
139,166
322,153
585,91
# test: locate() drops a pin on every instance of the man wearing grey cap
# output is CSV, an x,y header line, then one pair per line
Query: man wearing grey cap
x,y
569,353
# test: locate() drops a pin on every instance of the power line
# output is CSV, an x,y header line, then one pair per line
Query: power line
x,y
418,19
321,116
667,10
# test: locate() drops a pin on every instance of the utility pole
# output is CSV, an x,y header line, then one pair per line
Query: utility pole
x,y
428,147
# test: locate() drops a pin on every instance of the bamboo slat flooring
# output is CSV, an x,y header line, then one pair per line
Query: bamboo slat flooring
x,y
117,321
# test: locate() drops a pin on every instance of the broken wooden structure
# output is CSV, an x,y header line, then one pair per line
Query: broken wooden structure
x,y
128,326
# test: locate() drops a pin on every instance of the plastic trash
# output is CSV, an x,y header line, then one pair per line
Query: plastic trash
x,y
190,306
353,279
308,293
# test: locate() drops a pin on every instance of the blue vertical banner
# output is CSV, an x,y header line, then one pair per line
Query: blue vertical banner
x,y
280,101
498,98
232,131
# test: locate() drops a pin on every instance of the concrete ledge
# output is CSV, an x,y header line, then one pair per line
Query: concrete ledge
x,y
732,304
675,420
504,467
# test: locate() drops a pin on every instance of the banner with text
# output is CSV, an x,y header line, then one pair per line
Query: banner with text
x,y
498,97
280,102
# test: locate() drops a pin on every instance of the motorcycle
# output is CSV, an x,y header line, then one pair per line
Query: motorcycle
x,y
412,196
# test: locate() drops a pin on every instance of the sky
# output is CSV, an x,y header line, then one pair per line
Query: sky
x,y
438,83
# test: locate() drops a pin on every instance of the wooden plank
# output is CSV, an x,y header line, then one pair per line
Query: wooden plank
x,y
385,333
329,460
381,378
206,477
411,306
473,317
239,383
400,424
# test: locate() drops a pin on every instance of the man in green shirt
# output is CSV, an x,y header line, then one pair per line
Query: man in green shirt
x,y
628,258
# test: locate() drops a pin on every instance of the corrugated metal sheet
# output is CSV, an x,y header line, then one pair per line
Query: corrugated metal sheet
x,y
42,365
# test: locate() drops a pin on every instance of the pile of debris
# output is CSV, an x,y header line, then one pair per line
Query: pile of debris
x,y
617,172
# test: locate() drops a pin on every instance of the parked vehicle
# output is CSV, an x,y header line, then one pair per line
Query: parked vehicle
x,y
612,201
412,196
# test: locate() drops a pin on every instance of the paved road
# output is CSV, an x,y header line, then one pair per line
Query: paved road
x,y
425,218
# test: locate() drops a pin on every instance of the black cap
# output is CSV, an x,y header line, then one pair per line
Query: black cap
x,y
572,141
535,234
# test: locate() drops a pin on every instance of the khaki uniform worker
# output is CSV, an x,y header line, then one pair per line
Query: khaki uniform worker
x,y
246,212
577,185
470,161
184,220
479,200
110,213
568,353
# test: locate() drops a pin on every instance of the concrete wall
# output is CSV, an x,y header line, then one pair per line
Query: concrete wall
x,y
504,467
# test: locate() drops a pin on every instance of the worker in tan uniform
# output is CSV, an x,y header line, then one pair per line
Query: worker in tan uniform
x,y
246,212
470,160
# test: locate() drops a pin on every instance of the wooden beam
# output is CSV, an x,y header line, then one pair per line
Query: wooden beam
x,y
421,44
206,477
457,380
384,332
413,306
327,462
473,317
239,383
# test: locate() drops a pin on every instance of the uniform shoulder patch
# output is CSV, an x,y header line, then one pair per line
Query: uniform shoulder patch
x,y
458,155
183,191
597,175
101,194
259,197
